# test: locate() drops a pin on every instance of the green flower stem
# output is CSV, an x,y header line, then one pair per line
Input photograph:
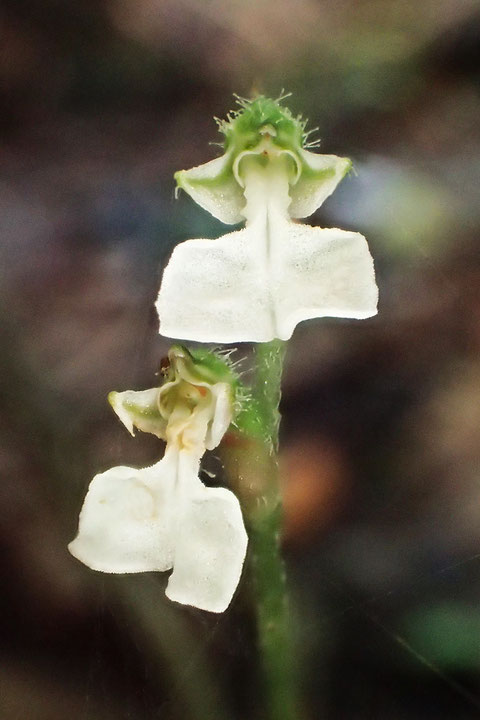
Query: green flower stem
x,y
265,520
267,389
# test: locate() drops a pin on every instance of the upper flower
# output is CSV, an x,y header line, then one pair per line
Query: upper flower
x,y
257,283
163,517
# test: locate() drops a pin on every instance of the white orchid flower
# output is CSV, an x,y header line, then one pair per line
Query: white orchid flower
x,y
256,284
164,517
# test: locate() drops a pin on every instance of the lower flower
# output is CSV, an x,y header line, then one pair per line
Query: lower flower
x,y
163,517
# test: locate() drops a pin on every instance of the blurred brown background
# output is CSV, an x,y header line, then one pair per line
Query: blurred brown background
x,y
100,103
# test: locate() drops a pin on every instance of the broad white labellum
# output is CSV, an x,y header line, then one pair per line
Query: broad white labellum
x,y
163,517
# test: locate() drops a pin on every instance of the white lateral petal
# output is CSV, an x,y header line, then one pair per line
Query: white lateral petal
x,y
139,409
319,177
214,187
222,415
210,550
323,273
125,523
215,290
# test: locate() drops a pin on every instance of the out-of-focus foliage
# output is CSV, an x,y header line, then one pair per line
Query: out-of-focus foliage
x,y
101,102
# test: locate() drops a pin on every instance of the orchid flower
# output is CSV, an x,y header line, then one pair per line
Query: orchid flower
x,y
256,284
163,517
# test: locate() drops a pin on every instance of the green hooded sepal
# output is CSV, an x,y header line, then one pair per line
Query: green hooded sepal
x,y
263,128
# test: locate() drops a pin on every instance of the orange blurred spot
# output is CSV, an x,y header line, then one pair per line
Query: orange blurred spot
x,y
316,480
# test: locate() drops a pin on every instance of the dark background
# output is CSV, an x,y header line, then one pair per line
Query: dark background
x,y
100,102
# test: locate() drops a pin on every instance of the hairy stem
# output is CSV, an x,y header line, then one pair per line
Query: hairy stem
x,y
265,520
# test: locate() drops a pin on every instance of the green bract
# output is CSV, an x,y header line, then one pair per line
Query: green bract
x,y
245,128
201,366
262,127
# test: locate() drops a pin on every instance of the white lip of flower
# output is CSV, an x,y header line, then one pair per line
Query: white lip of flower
x,y
163,517
256,284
